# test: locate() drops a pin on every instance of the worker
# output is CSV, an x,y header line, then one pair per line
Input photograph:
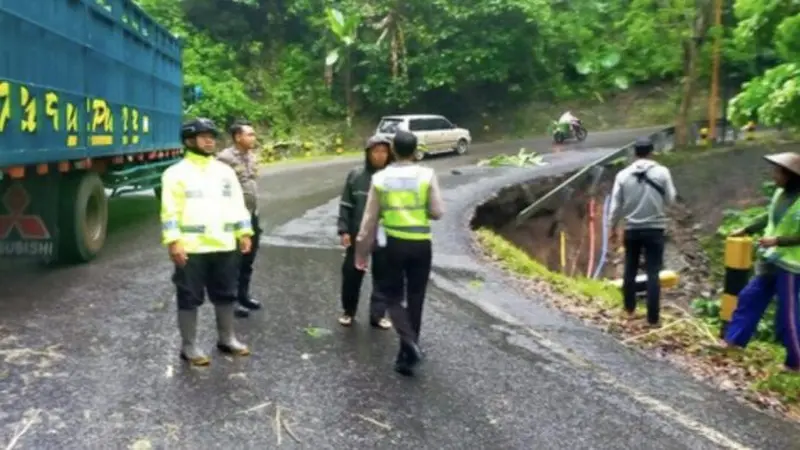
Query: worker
x,y
244,161
378,154
640,195
778,265
404,197
203,217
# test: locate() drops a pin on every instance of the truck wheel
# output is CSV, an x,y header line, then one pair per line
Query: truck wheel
x,y
83,217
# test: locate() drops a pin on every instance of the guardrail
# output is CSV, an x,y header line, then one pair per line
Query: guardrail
x,y
661,141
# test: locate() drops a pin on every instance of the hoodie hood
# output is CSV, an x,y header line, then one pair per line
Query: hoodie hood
x,y
372,142
642,165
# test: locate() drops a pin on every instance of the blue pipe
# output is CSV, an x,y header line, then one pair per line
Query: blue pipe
x,y
604,249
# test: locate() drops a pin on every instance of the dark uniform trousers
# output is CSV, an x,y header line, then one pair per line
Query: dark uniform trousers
x,y
649,242
405,278
352,279
212,273
247,260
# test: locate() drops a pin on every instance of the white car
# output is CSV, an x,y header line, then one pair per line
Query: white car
x,y
435,134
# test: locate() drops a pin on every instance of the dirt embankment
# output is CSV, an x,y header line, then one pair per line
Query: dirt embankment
x,y
709,183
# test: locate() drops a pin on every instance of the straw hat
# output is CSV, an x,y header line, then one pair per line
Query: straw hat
x,y
789,161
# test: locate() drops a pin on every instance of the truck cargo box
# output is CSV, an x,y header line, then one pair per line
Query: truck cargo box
x,y
85,79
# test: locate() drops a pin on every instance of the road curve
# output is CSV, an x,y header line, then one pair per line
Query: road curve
x,y
90,352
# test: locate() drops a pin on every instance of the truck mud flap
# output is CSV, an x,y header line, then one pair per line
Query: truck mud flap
x,y
29,217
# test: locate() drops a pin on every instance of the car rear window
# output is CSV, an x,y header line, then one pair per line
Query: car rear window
x,y
389,125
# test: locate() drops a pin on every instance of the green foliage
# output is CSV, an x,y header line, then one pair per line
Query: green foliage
x,y
772,30
297,62
521,159
708,309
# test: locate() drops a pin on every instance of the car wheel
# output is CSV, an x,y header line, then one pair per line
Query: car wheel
x,y
461,146
419,155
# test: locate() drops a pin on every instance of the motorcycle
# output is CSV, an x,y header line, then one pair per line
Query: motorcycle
x,y
563,131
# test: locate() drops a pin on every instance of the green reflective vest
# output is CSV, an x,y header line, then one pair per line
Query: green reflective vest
x,y
403,192
787,258
202,206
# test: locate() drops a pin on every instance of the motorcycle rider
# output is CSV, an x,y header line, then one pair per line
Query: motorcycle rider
x,y
571,120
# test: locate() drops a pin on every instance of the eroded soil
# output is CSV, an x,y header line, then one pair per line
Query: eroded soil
x,y
709,183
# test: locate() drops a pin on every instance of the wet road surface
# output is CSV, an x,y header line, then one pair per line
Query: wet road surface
x,y
88,355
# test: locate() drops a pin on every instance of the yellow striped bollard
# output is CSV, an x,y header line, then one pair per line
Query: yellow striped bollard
x,y
704,137
738,265
750,131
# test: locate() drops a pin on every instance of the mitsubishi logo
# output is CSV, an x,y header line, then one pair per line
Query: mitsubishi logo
x,y
30,227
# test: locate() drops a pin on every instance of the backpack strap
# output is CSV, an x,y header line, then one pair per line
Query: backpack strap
x,y
642,177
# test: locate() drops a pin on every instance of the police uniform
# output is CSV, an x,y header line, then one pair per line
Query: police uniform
x,y
245,164
778,270
404,197
203,209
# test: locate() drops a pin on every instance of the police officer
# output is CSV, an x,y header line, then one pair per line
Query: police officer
x,y
405,197
242,158
203,216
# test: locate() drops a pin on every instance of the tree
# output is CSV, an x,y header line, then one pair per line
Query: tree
x,y
773,98
345,29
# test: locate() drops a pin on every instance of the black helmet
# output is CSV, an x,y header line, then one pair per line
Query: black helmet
x,y
200,125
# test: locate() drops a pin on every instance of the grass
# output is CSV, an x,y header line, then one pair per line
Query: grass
x,y
311,158
756,371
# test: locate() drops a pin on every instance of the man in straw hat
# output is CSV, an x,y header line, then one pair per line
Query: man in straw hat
x,y
778,267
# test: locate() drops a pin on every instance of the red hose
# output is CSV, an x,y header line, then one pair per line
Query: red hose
x,y
590,269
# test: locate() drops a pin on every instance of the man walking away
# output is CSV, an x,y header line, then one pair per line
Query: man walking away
x,y
351,210
405,197
202,219
641,193
244,161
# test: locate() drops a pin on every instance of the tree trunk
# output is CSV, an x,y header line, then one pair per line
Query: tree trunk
x,y
348,86
691,55
689,81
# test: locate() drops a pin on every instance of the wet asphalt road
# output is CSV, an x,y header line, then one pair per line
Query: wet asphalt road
x,y
90,352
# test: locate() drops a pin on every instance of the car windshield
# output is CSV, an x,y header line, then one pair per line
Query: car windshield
x,y
389,125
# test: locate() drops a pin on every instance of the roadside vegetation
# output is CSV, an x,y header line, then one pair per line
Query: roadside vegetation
x,y
689,336
313,73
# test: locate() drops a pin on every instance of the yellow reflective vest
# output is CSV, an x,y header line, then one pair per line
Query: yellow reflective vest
x,y
404,191
202,206
787,257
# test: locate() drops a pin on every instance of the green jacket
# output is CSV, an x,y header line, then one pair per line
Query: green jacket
x,y
354,195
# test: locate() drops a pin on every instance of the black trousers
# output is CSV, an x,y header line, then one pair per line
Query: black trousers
x,y
247,260
352,279
212,273
408,267
649,242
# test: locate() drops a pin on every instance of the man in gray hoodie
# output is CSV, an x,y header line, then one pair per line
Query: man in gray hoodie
x,y
641,193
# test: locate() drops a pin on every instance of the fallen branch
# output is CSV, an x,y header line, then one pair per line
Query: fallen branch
x,y
255,408
18,435
374,422
652,332
290,432
278,423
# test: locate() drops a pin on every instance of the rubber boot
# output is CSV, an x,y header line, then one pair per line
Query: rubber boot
x,y
187,324
227,342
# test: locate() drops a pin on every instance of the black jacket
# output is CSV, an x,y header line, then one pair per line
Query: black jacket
x,y
354,196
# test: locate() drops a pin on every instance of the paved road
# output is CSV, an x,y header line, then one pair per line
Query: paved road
x,y
90,352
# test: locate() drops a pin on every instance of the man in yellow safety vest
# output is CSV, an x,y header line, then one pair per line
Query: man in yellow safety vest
x,y
203,216
404,197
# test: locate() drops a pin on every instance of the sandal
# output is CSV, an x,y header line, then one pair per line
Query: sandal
x,y
383,323
345,320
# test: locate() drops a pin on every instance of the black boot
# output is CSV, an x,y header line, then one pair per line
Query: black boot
x,y
240,311
250,303
408,358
